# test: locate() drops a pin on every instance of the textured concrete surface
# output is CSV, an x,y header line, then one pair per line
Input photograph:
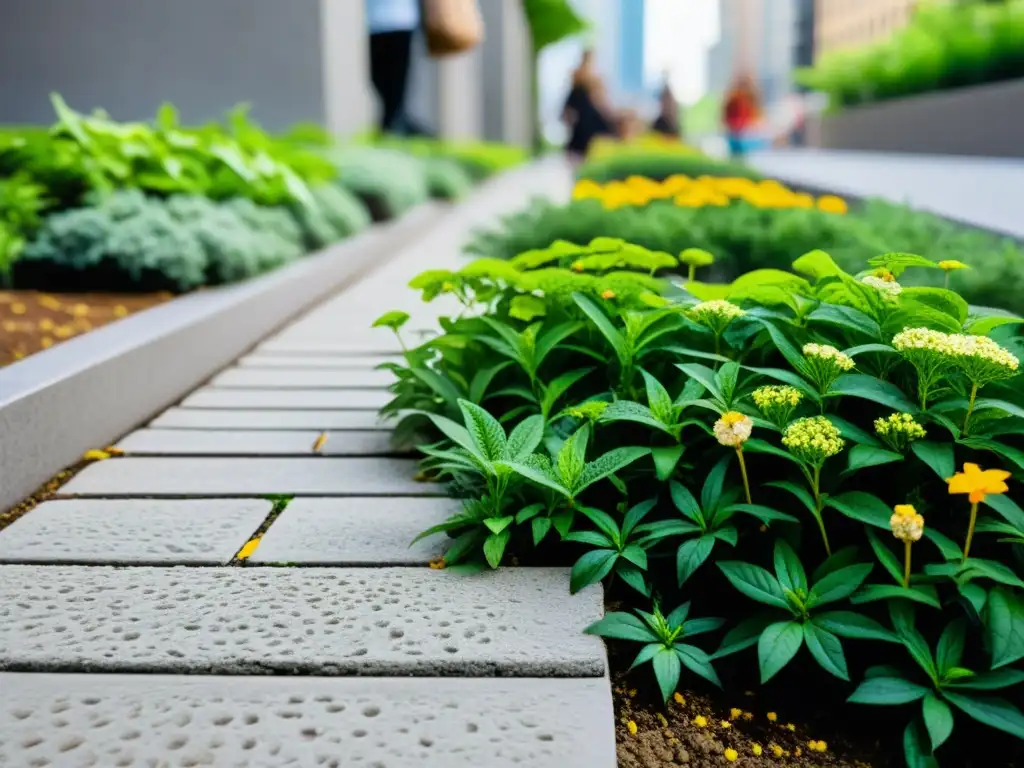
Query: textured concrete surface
x,y
328,621
254,419
356,531
316,361
133,531
297,378
351,399
986,191
356,347
317,476
210,442
141,721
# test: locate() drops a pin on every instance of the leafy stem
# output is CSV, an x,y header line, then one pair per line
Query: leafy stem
x,y
970,530
970,408
743,472
818,504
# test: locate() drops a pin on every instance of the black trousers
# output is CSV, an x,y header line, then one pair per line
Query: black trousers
x,y
390,57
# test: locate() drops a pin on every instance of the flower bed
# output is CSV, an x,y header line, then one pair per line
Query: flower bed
x,y
801,472
108,209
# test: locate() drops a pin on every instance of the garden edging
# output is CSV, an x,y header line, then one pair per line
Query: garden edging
x,y
122,371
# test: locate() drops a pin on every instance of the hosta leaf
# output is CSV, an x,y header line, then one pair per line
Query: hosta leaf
x,y
777,646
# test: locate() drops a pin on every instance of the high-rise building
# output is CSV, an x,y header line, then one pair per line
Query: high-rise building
x,y
803,48
845,24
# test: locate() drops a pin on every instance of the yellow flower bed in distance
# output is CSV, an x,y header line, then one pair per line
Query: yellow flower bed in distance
x,y
689,192
602,147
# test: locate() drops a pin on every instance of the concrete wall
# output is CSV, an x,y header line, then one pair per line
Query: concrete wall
x,y
983,120
128,56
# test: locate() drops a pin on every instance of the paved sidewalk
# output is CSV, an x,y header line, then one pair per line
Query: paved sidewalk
x,y
986,192
127,639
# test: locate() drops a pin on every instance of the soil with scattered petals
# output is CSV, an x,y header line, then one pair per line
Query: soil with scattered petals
x,y
31,321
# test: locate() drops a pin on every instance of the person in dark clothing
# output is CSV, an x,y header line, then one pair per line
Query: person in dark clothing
x,y
392,24
667,122
585,111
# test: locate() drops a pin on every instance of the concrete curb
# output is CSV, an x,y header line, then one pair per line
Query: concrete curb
x,y
89,391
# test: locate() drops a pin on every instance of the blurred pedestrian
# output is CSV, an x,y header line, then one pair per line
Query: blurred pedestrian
x,y
392,25
668,123
586,112
741,114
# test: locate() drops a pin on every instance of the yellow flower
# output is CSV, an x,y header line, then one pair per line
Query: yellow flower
x,y
18,308
813,439
772,717
899,430
906,523
120,310
95,455
447,286
725,723
437,564
731,755
777,403
789,727
733,429
832,204
631,727
715,315
978,483
950,265
734,713
46,342
889,289
662,720
80,310
319,443
748,716
577,266
776,750
756,749
679,699
249,548
700,721
608,294
828,353
817,746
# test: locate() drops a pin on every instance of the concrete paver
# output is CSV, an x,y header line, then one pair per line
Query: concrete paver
x,y
328,621
211,442
345,378
316,361
356,347
316,476
354,531
267,418
133,531
314,399
158,720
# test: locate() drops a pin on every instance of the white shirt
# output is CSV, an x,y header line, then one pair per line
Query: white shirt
x,y
392,15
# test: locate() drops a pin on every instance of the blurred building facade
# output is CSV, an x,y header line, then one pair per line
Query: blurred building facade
x,y
304,60
757,37
845,24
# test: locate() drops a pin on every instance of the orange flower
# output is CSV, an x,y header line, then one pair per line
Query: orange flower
x,y
978,482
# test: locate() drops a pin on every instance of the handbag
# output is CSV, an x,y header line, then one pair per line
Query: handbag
x,y
452,26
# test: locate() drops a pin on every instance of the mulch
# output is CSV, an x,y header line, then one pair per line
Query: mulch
x,y
31,321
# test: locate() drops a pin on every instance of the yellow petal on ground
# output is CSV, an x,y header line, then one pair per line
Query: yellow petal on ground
x,y
95,455
10,326
113,450
18,308
249,548
80,310
320,442
63,331
50,302
46,342
120,310
46,324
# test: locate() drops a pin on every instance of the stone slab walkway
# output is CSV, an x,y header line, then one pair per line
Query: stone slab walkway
x,y
131,634
982,191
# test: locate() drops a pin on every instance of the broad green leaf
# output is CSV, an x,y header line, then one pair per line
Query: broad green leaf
x,y
841,559
394,320
458,434
938,457
528,513
667,669
551,337
685,502
764,514
917,746
695,627
540,527
1004,620
698,662
869,388
526,437
605,522
711,492
839,585
846,317
666,458
826,650
591,538
636,555
863,456
853,625
633,577
938,719
886,557
990,681
940,299
622,626
950,650
801,493
527,307
786,348
627,410
871,593
885,691
777,646
537,476
559,386
987,403
691,555
1008,452
571,458
611,462
754,582
1007,508
591,568
862,349
494,547
996,571
788,377
704,375
486,431
993,712
614,338
852,432
658,398
755,445
788,568
635,515
647,653
817,264
499,524
482,380
863,507
678,616
744,635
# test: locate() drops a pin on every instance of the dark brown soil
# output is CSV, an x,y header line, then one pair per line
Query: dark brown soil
x,y
31,321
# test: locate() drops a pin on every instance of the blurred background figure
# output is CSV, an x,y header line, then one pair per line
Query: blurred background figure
x,y
587,113
740,114
667,123
392,25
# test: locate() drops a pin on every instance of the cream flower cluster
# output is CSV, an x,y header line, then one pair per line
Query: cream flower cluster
x,y
714,313
980,358
813,439
733,429
889,289
899,430
906,524
777,403
826,353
